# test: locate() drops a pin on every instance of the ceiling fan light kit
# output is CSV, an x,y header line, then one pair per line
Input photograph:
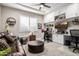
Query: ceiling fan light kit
x,y
42,5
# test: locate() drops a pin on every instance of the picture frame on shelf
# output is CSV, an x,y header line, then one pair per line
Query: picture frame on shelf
x,y
60,17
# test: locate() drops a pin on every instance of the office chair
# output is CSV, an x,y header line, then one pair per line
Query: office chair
x,y
75,38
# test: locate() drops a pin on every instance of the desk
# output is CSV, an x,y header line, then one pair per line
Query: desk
x,y
67,40
76,41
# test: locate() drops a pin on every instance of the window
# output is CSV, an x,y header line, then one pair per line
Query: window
x,y
33,24
28,24
24,24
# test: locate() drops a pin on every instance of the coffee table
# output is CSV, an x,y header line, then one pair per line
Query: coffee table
x,y
36,46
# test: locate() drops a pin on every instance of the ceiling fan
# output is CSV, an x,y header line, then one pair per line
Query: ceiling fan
x,y
42,5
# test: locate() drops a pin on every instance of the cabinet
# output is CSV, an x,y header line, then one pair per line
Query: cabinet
x,y
58,38
67,40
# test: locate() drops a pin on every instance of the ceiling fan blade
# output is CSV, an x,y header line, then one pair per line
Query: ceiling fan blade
x,y
35,5
47,6
40,8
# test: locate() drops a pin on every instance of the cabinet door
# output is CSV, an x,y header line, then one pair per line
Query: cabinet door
x,y
55,38
58,39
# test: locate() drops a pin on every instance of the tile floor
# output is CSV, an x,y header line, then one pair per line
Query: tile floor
x,y
52,49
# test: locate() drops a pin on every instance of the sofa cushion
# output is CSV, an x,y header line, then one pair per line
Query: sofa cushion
x,y
2,35
9,38
11,42
3,44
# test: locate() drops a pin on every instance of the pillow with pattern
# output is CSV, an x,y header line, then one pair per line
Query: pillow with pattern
x,y
3,44
9,38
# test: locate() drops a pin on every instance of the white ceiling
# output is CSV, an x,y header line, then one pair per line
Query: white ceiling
x,y
31,7
54,6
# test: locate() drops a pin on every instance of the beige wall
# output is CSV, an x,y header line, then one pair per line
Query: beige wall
x,y
10,12
0,18
70,11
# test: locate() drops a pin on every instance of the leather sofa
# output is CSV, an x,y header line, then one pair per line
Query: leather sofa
x,y
14,44
20,51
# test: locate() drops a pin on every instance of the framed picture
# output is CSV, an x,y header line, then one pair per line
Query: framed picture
x,y
11,21
39,26
60,17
